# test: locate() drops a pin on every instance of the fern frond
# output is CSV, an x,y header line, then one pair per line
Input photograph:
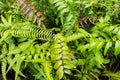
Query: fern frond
x,y
43,33
44,69
30,11
33,33
79,62
36,70
4,66
4,36
111,33
60,56
81,34
11,62
66,13
75,37
61,6
86,21
4,61
112,30
15,64
47,68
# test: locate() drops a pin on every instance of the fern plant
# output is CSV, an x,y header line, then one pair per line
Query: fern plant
x,y
28,32
60,56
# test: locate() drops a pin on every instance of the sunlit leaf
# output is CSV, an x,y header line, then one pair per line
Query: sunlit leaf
x,y
107,46
60,72
61,7
4,20
58,4
58,64
100,45
4,66
100,60
64,11
56,57
79,62
12,62
25,45
17,67
117,48
47,70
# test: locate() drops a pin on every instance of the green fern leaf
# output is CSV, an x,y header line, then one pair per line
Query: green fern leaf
x,y
60,56
100,44
23,46
108,45
75,37
59,4
117,48
56,57
4,20
4,61
30,33
4,66
60,72
47,70
79,62
20,73
17,66
4,36
57,64
61,7
100,60
12,62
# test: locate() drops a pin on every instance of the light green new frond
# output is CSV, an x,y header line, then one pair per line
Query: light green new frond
x,y
4,61
15,64
75,37
47,68
32,33
4,66
17,67
107,47
12,62
117,48
60,56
